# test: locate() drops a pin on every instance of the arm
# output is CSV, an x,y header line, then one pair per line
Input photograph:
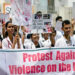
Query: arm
x,y
23,38
16,41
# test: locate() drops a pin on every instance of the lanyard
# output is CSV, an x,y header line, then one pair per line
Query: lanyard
x,y
9,44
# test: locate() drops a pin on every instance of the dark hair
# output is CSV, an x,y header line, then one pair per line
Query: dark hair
x,y
6,25
1,38
54,31
29,36
32,34
74,32
39,12
53,28
58,17
65,22
6,34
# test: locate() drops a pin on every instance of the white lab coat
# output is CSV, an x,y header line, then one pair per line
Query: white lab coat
x,y
30,45
62,42
46,43
58,35
7,44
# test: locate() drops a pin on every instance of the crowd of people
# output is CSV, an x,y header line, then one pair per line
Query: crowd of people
x,y
14,39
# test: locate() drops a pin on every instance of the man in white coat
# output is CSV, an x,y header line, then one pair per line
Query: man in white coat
x,y
66,40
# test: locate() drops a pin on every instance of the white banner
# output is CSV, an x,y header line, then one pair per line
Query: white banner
x,y
21,12
37,62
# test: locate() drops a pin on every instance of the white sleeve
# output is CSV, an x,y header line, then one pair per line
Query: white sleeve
x,y
4,44
57,44
21,45
60,44
73,40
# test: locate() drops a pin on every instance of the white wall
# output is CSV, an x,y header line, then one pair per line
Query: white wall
x,y
65,3
73,10
40,5
64,8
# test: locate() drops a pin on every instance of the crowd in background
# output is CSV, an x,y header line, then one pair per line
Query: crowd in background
x,y
15,37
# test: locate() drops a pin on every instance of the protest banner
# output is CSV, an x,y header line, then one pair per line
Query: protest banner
x,y
50,61
21,11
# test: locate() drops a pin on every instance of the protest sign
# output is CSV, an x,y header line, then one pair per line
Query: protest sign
x,y
21,12
53,61
44,22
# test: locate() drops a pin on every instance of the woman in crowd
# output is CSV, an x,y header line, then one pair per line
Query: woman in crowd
x,y
10,41
33,43
52,38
